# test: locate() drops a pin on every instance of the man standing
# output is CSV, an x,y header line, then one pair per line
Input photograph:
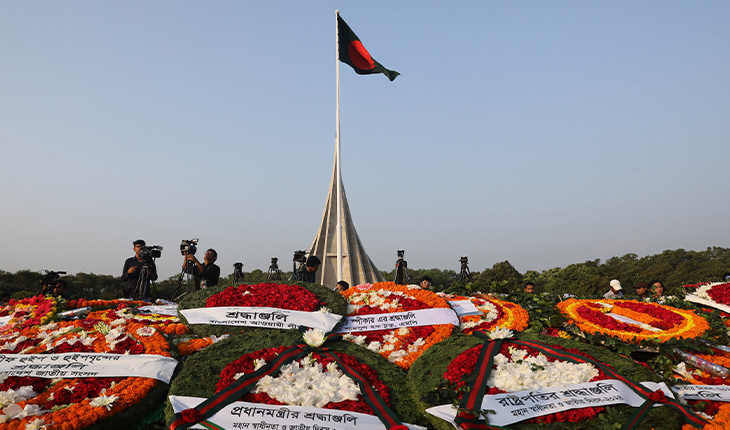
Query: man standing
x,y
133,268
425,282
205,275
615,291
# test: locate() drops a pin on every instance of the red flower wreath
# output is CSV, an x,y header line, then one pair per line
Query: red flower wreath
x,y
280,296
245,364
464,364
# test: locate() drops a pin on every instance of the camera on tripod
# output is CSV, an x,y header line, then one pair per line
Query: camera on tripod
x,y
189,247
147,253
237,272
50,279
300,257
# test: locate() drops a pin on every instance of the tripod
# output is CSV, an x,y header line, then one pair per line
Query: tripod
x,y
274,272
237,273
143,281
401,271
187,275
465,273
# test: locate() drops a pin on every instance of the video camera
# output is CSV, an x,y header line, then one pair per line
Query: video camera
x,y
149,253
189,247
50,279
300,256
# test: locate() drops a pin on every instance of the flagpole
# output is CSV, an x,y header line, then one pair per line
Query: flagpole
x,y
338,173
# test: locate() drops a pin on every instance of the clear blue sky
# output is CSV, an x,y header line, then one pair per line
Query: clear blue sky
x,y
543,133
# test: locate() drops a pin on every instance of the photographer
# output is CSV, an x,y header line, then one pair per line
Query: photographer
x,y
308,273
206,275
132,269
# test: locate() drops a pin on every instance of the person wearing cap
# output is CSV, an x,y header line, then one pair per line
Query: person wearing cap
x,y
642,290
615,290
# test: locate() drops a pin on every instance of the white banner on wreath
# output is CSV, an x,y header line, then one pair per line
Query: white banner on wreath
x,y
523,405
88,364
260,416
715,393
161,310
262,317
711,303
395,320
464,307
4,320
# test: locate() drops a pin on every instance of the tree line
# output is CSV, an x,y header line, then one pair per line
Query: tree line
x,y
673,267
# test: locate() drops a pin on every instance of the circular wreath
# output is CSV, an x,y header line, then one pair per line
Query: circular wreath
x,y
28,312
108,403
495,314
216,366
400,346
297,296
436,377
656,321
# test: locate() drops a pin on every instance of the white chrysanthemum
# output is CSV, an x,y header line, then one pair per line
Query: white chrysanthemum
x,y
314,337
36,424
104,400
500,333
49,326
403,331
397,355
307,384
238,375
10,397
518,372
374,346
3,377
324,310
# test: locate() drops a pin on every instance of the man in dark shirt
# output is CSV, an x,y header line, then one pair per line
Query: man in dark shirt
x,y
205,275
309,272
133,268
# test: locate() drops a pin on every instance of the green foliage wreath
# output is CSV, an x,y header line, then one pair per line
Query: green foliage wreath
x,y
425,378
201,371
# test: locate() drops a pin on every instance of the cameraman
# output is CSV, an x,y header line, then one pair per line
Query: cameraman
x,y
132,269
308,273
205,275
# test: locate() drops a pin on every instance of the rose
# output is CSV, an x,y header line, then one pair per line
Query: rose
x,y
192,415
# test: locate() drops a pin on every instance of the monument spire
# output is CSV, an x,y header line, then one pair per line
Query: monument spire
x,y
357,268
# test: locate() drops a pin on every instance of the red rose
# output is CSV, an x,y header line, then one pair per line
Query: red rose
x,y
192,415
658,396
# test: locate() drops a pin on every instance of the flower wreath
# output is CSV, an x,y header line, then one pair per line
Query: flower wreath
x,y
71,404
167,324
404,345
495,313
437,378
719,411
98,304
716,292
218,366
299,297
656,321
28,312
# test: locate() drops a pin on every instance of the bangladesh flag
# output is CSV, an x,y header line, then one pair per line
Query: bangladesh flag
x,y
353,53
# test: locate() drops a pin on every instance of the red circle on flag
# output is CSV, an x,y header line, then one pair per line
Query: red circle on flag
x,y
360,56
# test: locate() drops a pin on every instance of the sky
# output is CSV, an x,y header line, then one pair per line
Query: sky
x,y
542,133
